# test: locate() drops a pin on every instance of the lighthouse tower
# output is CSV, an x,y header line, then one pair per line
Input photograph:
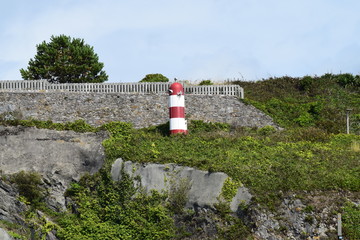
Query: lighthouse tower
x,y
178,123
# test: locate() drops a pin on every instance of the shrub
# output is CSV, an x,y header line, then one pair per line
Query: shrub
x,y
155,77
79,126
111,210
309,101
347,79
178,194
351,218
267,130
205,82
201,126
29,186
305,83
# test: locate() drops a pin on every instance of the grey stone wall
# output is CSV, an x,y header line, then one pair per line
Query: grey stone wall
x,y
140,109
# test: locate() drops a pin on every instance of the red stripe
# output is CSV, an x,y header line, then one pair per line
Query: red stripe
x,y
178,131
177,112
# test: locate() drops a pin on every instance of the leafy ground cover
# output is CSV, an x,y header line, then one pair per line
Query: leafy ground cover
x,y
263,159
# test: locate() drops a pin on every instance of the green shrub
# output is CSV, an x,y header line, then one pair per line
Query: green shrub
x,y
347,80
267,130
111,210
79,126
309,101
178,194
351,219
305,83
311,134
201,126
233,229
229,189
29,186
155,77
205,83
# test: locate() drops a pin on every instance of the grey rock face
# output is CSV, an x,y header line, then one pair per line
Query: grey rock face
x,y
204,187
10,206
59,156
4,235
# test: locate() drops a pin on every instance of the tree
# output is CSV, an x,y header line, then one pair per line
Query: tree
x,y
65,60
155,77
205,82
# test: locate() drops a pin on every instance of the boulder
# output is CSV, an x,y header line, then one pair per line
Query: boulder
x,y
10,206
4,235
59,156
204,188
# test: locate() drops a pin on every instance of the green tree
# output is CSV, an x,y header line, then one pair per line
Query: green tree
x,y
65,60
155,77
205,82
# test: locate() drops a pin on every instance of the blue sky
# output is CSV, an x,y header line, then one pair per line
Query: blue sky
x,y
191,39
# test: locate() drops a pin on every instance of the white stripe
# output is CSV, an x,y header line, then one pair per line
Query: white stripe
x,y
177,101
178,123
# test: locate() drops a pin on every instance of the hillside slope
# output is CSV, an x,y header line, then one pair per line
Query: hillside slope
x,y
300,177
319,102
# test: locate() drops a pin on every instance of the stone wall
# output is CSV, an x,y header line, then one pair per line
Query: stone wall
x,y
141,109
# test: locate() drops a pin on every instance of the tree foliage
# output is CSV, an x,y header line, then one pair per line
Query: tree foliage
x,y
155,77
205,83
65,60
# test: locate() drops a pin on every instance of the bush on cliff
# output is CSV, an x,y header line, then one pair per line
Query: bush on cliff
x,y
29,186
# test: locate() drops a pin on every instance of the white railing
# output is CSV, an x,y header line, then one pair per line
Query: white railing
x,y
142,88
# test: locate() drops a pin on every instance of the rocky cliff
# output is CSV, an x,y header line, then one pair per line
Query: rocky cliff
x,y
61,157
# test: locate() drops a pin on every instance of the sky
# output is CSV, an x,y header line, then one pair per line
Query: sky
x,y
191,39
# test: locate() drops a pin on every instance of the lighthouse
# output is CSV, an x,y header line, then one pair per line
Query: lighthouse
x,y
178,123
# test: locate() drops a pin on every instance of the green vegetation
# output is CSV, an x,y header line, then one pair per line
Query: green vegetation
x,y
229,189
351,219
319,102
106,209
77,125
155,77
29,186
65,60
311,154
264,162
205,82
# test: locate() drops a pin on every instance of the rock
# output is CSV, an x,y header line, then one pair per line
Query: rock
x,y
204,187
59,156
10,206
4,235
51,236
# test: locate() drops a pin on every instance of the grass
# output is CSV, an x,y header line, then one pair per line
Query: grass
x,y
273,162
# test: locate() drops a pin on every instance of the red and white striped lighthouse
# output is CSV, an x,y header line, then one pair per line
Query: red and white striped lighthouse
x,y
177,109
